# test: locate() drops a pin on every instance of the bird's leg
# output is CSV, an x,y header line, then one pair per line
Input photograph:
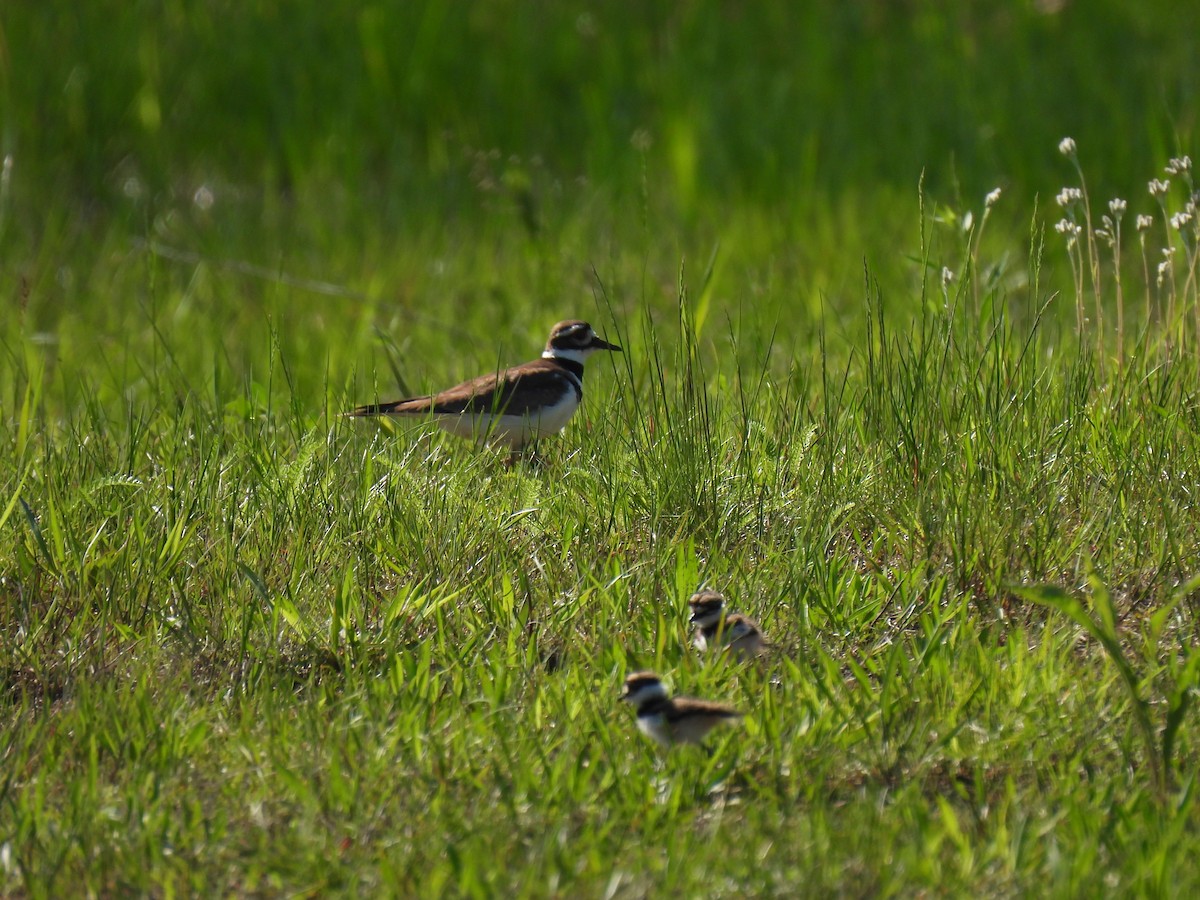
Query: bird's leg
x,y
535,459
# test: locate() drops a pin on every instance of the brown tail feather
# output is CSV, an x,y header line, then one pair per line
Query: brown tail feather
x,y
415,406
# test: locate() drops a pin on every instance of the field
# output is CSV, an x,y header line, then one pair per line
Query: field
x,y
910,308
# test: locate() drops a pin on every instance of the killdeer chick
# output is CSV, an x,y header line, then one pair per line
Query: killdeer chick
x,y
679,720
725,631
514,407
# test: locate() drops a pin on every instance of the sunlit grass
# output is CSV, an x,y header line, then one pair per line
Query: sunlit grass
x,y
255,647
943,450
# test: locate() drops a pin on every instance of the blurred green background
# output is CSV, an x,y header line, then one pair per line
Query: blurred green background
x,y
719,103
444,166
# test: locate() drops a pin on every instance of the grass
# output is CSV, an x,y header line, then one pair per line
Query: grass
x,y
259,649
254,648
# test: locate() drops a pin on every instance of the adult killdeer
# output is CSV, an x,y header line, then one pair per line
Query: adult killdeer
x,y
679,720
725,631
514,407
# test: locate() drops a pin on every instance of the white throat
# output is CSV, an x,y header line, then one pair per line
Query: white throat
x,y
574,355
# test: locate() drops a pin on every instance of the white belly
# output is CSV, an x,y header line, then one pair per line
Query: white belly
x,y
512,431
655,727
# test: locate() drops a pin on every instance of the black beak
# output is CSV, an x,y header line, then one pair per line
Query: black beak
x,y
601,344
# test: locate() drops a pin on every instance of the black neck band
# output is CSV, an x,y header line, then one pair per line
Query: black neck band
x,y
575,368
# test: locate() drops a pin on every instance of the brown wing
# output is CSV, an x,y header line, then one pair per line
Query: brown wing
x,y
688,707
542,382
737,626
517,392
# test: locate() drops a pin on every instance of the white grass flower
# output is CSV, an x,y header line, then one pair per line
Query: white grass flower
x,y
1164,269
1144,222
1067,227
1067,146
1159,188
1178,165
1181,220
968,220
1117,207
991,199
585,24
1069,195
203,198
947,276
641,140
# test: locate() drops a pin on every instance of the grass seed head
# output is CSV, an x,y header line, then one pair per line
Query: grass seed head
x,y
1069,196
1179,164
1164,269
